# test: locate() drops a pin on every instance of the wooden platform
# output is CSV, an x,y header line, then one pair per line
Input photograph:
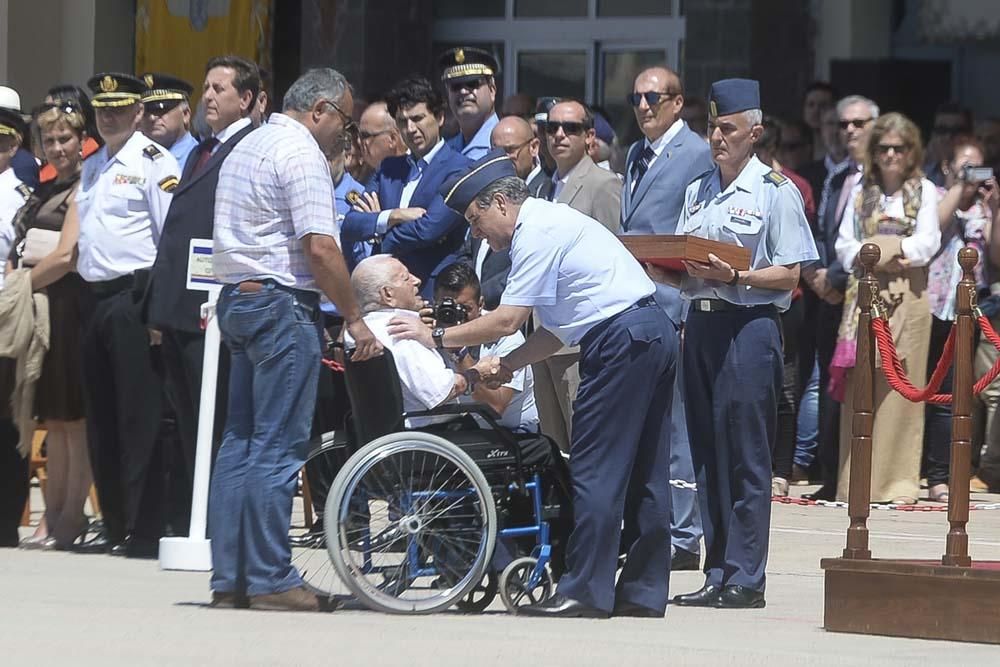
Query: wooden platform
x,y
920,599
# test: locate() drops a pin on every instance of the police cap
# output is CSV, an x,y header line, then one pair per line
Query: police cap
x,y
114,89
465,63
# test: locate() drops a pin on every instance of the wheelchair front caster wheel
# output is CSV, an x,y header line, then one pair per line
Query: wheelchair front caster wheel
x,y
480,597
520,586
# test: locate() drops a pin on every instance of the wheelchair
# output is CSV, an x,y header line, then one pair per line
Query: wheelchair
x,y
418,520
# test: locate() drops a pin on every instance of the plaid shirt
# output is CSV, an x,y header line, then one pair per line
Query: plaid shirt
x,y
274,188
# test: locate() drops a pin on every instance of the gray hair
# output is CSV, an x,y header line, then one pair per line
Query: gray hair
x,y
511,187
857,99
321,83
369,277
754,116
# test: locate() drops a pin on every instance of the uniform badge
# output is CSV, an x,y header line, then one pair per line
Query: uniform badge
x,y
740,221
745,212
169,183
713,110
694,208
109,84
128,179
149,80
152,152
24,190
460,56
353,198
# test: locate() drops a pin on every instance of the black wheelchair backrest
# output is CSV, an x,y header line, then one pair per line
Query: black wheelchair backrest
x,y
376,396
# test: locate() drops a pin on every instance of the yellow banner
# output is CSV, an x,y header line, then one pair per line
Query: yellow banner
x,y
178,37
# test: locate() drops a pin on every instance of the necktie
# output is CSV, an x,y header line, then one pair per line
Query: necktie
x,y
641,165
205,149
845,193
416,168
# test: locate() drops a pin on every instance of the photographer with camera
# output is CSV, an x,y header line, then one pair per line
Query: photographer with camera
x,y
967,205
385,289
458,299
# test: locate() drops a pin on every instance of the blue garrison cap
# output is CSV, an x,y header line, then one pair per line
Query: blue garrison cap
x,y
458,192
731,96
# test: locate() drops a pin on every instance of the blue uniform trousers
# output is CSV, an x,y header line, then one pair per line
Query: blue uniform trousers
x,y
733,375
621,460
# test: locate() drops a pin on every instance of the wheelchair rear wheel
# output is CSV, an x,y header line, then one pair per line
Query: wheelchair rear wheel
x,y
410,524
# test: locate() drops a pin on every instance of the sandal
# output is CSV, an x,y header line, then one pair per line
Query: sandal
x,y
903,500
938,493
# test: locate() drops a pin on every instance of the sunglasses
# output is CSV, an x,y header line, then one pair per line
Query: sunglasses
x,y
471,84
568,127
350,127
652,97
66,107
857,123
897,149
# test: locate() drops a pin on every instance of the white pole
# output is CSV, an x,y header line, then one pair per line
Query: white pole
x,y
194,552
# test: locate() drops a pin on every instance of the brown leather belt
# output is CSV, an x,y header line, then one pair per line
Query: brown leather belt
x,y
251,286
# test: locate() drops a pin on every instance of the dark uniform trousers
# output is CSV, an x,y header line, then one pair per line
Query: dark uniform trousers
x,y
123,395
14,485
621,461
827,325
733,374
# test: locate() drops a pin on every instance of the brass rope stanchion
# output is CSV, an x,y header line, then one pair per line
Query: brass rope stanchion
x,y
860,491
957,542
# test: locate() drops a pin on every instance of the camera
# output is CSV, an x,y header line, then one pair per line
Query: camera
x,y
971,174
448,311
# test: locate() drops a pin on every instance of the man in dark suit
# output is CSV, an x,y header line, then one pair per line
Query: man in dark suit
x,y
230,90
658,169
405,214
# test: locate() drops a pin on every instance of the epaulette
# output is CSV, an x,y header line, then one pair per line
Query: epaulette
x,y
169,183
775,178
24,190
152,152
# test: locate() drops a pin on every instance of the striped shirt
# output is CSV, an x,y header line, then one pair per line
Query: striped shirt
x,y
274,189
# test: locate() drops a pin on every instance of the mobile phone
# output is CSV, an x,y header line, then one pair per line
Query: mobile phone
x,y
972,174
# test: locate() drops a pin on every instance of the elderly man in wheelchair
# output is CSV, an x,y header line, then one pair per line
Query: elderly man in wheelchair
x,y
448,494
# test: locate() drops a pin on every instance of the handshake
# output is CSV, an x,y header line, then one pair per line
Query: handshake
x,y
492,372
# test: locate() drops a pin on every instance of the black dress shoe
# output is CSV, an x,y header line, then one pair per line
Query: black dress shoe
x,y
708,596
822,493
685,560
740,597
560,606
636,611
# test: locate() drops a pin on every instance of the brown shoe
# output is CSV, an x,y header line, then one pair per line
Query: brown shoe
x,y
222,600
977,485
295,599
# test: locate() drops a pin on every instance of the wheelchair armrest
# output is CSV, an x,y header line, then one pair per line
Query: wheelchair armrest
x,y
485,411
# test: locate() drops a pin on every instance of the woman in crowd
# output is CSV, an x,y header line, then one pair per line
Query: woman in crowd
x,y
895,207
49,247
964,212
74,94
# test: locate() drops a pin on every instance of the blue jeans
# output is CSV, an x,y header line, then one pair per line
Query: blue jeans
x,y
808,428
274,340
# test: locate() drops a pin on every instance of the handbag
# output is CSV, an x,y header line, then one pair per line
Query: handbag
x,y
38,243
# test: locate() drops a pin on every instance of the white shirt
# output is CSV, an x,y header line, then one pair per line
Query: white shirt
x,y
570,269
13,195
521,413
559,182
382,223
274,189
425,380
122,203
662,142
230,130
919,247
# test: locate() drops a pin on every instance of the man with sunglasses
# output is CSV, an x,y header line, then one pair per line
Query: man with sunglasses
x,y
166,117
121,203
827,278
658,168
404,214
468,75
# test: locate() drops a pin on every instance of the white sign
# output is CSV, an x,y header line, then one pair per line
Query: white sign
x,y
200,276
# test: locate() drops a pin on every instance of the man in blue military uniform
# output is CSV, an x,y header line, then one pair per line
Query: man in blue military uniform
x,y
468,75
732,356
167,114
628,346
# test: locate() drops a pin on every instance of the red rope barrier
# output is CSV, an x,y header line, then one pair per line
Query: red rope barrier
x,y
333,365
994,372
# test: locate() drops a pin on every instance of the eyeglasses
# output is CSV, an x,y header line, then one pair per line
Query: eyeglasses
x,y
511,151
857,123
350,127
368,136
468,84
568,127
64,106
652,97
896,149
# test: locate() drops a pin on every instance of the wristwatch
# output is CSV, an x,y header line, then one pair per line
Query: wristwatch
x,y
735,280
437,333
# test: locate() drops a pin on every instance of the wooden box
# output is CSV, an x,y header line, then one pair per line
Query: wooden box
x,y
667,251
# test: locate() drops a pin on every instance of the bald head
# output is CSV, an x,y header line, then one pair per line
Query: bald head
x,y
379,135
664,85
515,136
382,281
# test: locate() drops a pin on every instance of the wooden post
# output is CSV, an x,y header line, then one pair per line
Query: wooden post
x,y
957,545
860,492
